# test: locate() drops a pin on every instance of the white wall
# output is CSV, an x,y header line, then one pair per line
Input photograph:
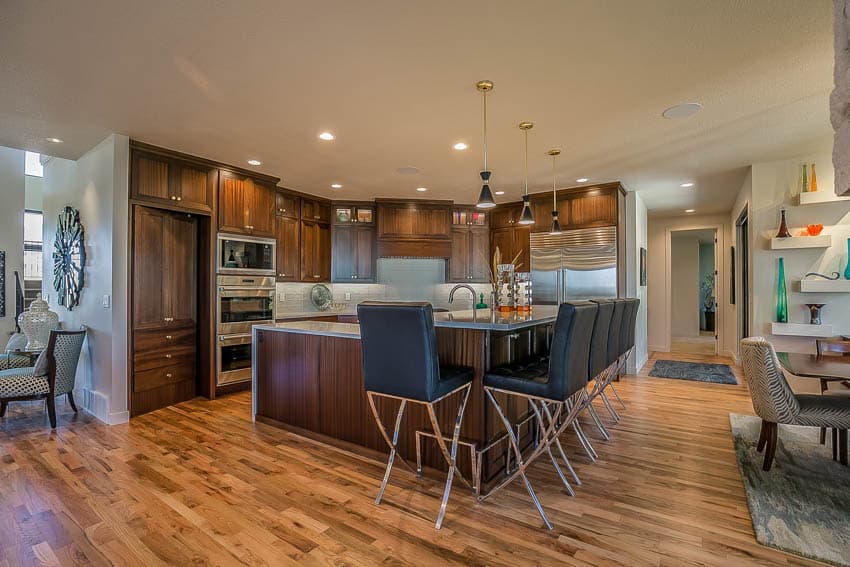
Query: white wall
x,y
684,291
97,185
34,193
775,185
636,238
659,317
12,191
840,99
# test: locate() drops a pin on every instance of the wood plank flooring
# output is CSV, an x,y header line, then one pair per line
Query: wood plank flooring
x,y
200,484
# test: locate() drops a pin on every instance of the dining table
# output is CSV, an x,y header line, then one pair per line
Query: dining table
x,y
826,369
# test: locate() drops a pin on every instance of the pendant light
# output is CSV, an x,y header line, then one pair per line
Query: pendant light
x,y
556,226
527,217
485,198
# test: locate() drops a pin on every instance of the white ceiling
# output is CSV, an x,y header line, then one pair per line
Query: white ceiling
x,y
395,82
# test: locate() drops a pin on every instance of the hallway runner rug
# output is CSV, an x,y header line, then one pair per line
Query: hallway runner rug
x,y
802,504
697,371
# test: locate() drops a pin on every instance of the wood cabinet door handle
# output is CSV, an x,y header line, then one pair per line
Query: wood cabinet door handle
x,y
167,337
168,374
167,356
179,198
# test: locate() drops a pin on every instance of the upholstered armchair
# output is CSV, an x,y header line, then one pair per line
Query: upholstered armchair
x,y
9,359
776,404
53,374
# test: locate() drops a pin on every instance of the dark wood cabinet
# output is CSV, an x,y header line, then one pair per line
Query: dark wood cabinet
x,y
245,206
595,207
353,214
353,254
470,255
505,216
287,205
315,251
164,308
319,211
171,182
541,208
288,260
409,220
512,241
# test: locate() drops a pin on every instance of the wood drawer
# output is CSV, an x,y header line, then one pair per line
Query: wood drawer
x,y
182,356
154,340
156,378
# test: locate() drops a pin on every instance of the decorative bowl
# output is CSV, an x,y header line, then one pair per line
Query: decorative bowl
x,y
814,229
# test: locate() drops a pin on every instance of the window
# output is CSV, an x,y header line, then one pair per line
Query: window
x,y
33,165
33,245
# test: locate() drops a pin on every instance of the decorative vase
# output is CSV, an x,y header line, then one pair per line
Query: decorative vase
x,y
814,313
813,186
781,295
805,184
37,322
847,269
783,227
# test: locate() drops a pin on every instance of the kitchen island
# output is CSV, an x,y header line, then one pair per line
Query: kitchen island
x,y
308,378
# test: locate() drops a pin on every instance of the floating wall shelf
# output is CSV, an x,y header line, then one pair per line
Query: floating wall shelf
x,y
825,286
820,241
819,197
801,329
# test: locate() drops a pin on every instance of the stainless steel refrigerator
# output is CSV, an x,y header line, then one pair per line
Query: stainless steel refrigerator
x,y
577,264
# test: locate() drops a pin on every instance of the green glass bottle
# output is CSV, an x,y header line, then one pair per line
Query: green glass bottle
x,y
781,295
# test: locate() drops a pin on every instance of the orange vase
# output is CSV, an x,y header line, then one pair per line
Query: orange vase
x,y
813,184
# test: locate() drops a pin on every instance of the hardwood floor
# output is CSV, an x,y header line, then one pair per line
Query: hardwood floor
x,y
199,483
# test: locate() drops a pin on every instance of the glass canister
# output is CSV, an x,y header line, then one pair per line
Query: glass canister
x,y
523,292
506,288
37,322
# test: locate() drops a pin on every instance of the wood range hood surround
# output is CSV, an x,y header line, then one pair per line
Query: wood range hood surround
x,y
414,229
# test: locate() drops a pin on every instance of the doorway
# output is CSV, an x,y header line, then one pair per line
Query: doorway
x,y
693,297
742,299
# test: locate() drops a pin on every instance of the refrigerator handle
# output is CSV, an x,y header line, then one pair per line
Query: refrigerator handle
x,y
559,284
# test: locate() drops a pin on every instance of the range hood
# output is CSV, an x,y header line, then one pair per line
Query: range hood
x,y
391,248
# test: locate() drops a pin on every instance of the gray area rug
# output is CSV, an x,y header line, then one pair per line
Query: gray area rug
x,y
697,371
802,505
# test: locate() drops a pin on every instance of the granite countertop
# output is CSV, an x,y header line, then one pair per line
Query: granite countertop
x,y
482,319
305,314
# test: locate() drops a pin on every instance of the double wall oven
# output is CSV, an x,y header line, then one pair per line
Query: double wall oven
x,y
245,297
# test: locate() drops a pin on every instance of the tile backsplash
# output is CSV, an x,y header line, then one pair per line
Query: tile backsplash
x,y
400,279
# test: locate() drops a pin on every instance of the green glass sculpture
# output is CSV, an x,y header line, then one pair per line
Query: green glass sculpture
x,y
847,269
781,295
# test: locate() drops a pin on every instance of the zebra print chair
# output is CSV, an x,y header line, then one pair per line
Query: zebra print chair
x,y
53,374
776,404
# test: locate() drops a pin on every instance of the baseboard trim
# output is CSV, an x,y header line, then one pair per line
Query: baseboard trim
x,y
657,348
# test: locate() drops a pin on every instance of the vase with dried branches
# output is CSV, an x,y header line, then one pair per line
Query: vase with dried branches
x,y
493,271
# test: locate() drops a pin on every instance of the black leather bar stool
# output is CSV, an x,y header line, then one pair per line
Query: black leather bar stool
x,y
599,362
614,352
547,388
627,340
400,361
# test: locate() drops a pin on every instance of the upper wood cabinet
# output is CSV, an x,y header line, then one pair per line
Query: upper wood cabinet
x,y
245,206
541,209
353,257
512,241
315,251
504,216
171,182
287,205
353,214
288,237
319,211
400,220
470,255
594,208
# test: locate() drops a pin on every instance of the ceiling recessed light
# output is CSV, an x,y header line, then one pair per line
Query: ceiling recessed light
x,y
500,192
689,184
582,180
254,162
409,170
336,186
683,110
460,146
690,210
421,189
327,136
55,140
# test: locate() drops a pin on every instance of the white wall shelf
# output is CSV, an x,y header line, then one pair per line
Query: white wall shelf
x,y
801,329
825,286
792,242
822,196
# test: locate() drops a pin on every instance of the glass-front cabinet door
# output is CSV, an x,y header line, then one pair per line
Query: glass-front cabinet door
x,y
344,214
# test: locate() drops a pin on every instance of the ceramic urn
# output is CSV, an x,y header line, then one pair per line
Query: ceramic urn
x,y
37,322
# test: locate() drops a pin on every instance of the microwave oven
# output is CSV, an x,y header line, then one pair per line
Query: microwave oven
x,y
245,255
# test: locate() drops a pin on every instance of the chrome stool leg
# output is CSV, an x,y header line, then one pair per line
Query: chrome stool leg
x,y
521,463
595,416
614,415
616,395
557,442
449,455
585,442
393,443
552,458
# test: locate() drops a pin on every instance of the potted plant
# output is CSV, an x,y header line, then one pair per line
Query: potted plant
x,y
706,289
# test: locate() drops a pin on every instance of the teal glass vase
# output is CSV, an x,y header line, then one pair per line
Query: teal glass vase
x,y
847,269
781,295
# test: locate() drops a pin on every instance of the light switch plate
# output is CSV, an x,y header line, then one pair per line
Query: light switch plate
x,y
105,301
281,296
348,296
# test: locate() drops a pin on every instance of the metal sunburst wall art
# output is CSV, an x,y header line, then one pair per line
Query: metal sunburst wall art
x,y
69,257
